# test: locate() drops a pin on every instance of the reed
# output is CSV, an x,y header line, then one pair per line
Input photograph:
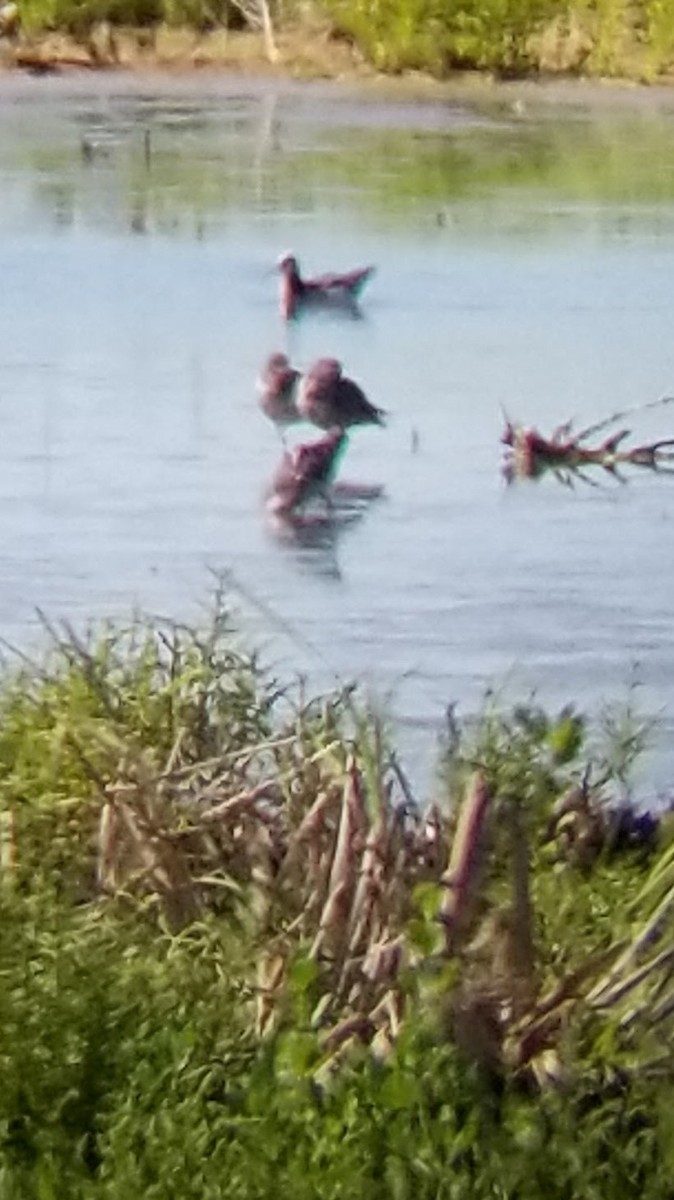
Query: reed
x,y
159,767
504,37
223,913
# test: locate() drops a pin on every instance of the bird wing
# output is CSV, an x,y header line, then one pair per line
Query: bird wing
x,y
354,406
347,281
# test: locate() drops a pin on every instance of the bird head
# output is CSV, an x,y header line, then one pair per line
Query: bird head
x,y
287,263
277,362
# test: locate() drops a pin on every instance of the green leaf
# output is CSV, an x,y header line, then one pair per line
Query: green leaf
x,y
303,973
296,1053
399,1090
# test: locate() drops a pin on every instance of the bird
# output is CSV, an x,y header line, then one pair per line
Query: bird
x,y
328,398
276,389
331,289
305,473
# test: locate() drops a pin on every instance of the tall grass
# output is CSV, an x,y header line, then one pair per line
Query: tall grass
x,y
605,37
236,958
79,17
507,37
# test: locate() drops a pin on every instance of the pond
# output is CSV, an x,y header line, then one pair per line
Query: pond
x,y
525,255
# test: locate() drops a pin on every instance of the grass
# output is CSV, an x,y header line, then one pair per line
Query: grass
x,y
237,959
504,37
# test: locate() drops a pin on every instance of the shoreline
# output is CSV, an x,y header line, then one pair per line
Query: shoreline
x,y
304,57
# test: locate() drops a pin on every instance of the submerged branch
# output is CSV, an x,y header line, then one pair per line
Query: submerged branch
x,y
529,454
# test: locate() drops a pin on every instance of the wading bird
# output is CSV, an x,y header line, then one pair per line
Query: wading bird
x,y
327,398
305,473
277,388
336,290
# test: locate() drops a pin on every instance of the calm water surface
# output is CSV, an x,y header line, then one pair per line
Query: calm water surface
x,y
526,261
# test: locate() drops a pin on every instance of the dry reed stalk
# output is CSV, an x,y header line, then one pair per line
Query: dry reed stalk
x,y
313,822
611,996
353,819
332,926
569,989
381,1046
165,867
246,801
339,861
321,855
107,876
662,1011
358,1027
383,960
370,884
175,751
459,878
522,939
7,844
301,865
548,1069
191,771
260,848
391,1008
270,974
434,842
374,953
650,933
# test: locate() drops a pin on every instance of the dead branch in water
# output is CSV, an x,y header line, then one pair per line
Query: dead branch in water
x,y
529,454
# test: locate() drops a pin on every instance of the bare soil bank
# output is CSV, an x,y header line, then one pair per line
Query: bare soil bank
x,y
304,54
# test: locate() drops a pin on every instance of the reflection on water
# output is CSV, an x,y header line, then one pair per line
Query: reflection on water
x,y
524,262
313,542
314,536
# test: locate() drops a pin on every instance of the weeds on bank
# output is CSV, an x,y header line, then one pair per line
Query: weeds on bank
x,y
233,947
507,37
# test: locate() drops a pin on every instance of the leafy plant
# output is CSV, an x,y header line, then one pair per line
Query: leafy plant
x,y
235,954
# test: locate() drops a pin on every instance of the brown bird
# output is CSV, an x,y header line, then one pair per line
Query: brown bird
x,y
327,398
340,290
306,472
276,389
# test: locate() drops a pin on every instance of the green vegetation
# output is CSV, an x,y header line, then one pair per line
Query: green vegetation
x,y
512,37
633,38
436,36
237,960
79,17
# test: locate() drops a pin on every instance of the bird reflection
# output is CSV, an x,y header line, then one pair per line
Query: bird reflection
x,y
307,510
313,537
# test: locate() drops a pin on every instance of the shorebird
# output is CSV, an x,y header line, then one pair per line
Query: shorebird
x,y
305,473
328,398
332,289
276,389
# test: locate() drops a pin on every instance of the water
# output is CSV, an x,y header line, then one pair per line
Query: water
x,y
525,259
